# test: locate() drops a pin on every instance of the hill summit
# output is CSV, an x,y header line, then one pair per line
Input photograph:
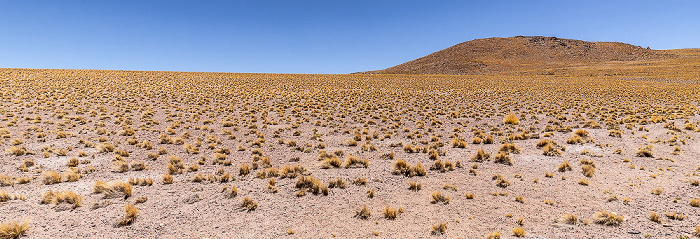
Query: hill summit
x,y
521,54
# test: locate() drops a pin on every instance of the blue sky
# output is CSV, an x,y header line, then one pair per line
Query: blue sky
x,y
330,36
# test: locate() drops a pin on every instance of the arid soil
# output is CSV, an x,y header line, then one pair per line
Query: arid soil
x,y
205,129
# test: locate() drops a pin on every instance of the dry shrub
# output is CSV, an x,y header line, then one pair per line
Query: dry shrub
x,y
501,181
439,229
439,198
494,235
503,158
312,184
71,176
654,217
565,166
511,119
519,232
112,189
390,213
607,218
167,179
51,177
363,213
130,215
414,186
588,170
247,204
568,219
58,197
695,202
353,160
480,156
645,151
13,229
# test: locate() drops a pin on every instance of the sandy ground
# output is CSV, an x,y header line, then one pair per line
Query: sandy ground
x,y
200,210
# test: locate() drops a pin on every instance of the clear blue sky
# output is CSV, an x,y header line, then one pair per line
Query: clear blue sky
x,y
330,36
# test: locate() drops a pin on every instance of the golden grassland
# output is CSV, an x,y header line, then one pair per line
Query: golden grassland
x,y
293,135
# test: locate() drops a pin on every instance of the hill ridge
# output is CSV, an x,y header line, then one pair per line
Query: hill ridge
x,y
522,53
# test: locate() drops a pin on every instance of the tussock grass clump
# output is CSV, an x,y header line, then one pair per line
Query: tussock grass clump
x,y
654,217
511,119
480,156
550,150
138,166
230,193
391,214
469,195
72,176
331,162
112,189
439,229
72,162
51,177
568,219
695,202
503,158
565,166
167,179
588,170
459,143
141,181
584,182
309,183
494,235
419,170
519,232
615,133
291,171
363,213
13,229
58,197
509,148
248,204
500,181
439,198
175,166
5,197
414,186
6,180
574,140
607,218
674,216
403,168
351,160
129,216
645,151
16,151
243,169
359,181
338,182
387,156
519,199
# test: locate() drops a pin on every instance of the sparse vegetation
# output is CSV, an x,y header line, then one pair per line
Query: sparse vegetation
x,y
129,217
607,218
13,229
372,133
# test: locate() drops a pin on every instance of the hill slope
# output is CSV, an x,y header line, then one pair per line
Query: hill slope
x,y
522,54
